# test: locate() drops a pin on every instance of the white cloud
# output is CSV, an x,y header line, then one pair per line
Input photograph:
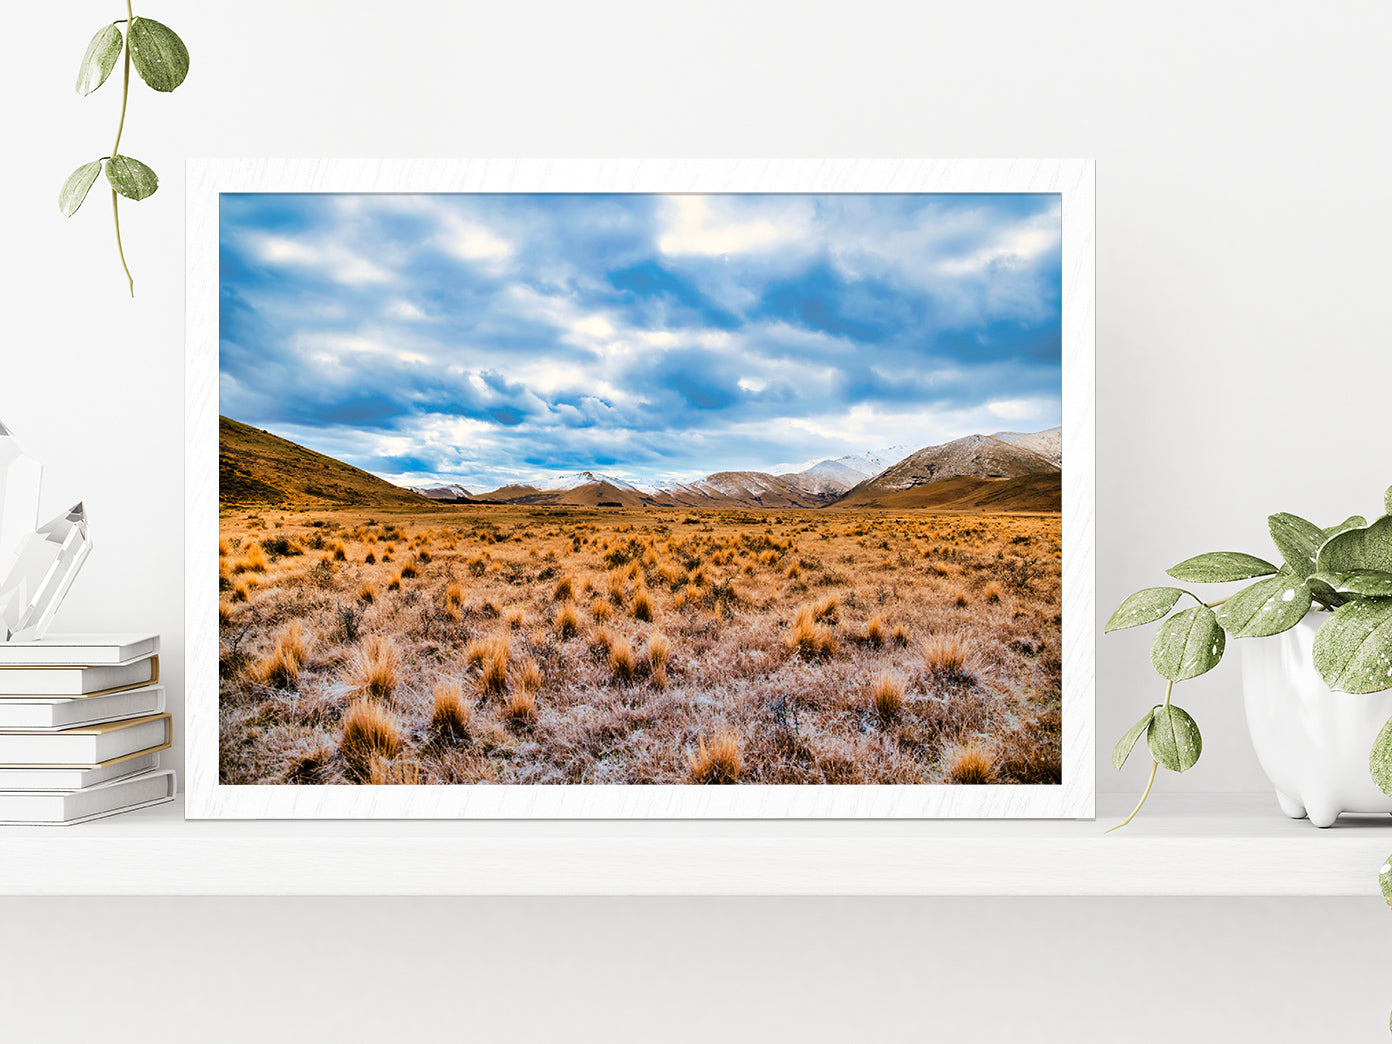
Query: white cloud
x,y
693,228
405,310
334,260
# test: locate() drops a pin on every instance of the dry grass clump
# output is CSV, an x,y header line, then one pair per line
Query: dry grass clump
x,y
520,710
659,650
338,552
887,696
394,584
945,657
241,590
493,673
600,610
516,617
618,585
567,621
368,730
961,601
454,595
452,713
371,558
375,667
281,668
809,640
600,640
642,604
828,610
564,590
367,592
900,635
621,661
254,561
875,631
969,763
992,593
409,571
224,614
530,678
720,761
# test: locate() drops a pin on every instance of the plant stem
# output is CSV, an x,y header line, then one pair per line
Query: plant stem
x,y
1154,768
120,128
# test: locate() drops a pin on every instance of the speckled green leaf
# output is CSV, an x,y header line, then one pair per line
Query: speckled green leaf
x,y
1173,738
1368,583
1297,540
1385,880
1380,765
1353,650
1352,522
100,59
1267,607
1188,644
130,177
1143,607
160,57
1387,500
76,187
1323,593
1219,567
1367,548
1122,750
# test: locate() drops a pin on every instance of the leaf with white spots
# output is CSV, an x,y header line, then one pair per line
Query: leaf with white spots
x,y
1352,522
1143,607
1122,750
1385,879
130,177
1368,583
1387,500
100,59
76,187
1173,738
1380,765
1267,607
1219,567
1323,593
1353,650
160,57
1188,644
1298,541
1366,548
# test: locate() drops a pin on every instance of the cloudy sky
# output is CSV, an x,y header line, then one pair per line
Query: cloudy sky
x,y
487,339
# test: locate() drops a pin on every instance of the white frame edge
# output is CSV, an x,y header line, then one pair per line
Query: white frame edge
x,y
1074,180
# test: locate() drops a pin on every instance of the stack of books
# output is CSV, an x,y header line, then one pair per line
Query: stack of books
x,y
82,724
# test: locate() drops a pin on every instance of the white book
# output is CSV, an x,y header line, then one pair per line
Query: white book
x,y
47,777
79,650
88,745
77,681
49,714
63,808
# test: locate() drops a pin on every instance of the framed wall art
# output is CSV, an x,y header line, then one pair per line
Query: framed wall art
x,y
686,488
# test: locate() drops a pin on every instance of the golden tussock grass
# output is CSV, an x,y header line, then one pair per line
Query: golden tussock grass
x,y
493,670
969,763
281,668
371,559
515,618
900,635
254,561
224,614
600,610
600,640
887,696
241,590
520,710
875,631
828,610
809,640
618,585
394,584
642,604
409,571
564,590
375,667
992,593
530,678
451,714
720,761
659,650
961,601
368,729
367,592
454,595
224,548
621,661
945,655
567,621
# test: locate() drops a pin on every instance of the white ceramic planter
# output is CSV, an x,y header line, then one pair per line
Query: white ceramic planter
x,y
1312,742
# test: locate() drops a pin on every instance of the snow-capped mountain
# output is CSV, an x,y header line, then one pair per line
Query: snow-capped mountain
x,y
582,478
452,491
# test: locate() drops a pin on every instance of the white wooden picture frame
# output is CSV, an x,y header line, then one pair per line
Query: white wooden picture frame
x,y
1072,180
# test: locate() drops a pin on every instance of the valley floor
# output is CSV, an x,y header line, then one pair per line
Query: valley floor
x,y
507,644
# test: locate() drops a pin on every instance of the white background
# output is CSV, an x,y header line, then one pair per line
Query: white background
x,y
1242,369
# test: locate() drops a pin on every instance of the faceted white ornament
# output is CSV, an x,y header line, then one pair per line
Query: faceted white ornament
x,y
40,575
20,476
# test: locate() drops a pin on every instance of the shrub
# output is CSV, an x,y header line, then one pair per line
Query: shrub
x,y
970,764
375,667
720,761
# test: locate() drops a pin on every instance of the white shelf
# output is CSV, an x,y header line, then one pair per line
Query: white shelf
x,y
1198,845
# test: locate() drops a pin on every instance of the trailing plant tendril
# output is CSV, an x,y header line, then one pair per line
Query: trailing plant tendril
x,y
162,61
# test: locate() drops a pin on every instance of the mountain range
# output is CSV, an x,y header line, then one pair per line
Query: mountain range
x,y
1005,471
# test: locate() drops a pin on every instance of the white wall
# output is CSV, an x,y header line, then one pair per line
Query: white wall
x,y
1242,214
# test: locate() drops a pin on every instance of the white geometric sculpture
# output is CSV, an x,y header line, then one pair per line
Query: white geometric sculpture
x,y
37,566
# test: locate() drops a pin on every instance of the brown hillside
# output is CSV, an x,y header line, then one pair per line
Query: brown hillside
x,y
256,467
1041,492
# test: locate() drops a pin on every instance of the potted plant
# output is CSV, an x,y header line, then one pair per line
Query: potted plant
x,y
1318,694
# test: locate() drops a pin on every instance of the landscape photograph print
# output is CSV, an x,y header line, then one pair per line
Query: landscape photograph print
x,y
536,489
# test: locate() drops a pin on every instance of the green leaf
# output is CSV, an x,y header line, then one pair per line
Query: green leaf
x,y
1367,583
1353,650
1320,589
1122,750
76,187
1267,607
1379,764
1385,880
130,177
1173,738
1297,540
1387,500
100,59
1352,522
1353,549
159,55
1188,644
1219,567
1143,607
